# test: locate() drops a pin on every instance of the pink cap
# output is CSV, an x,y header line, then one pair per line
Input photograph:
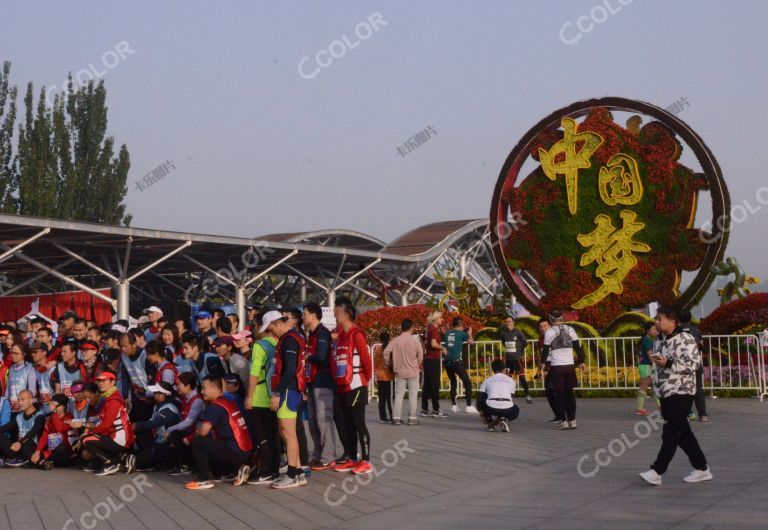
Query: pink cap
x,y
244,334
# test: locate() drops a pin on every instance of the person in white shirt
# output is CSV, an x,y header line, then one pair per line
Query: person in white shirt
x,y
560,343
494,400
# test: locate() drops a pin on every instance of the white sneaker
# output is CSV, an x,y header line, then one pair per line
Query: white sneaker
x,y
470,410
651,477
454,408
698,476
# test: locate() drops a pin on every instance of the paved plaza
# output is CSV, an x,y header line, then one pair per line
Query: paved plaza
x,y
449,473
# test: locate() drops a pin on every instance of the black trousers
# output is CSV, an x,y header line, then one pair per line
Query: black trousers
x,y
158,456
62,456
181,453
384,389
354,403
701,403
454,371
27,448
677,432
206,449
104,449
491,414
549,392
563,381
431,388
262,424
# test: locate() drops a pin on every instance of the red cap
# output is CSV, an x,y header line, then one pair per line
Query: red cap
x,y
106,374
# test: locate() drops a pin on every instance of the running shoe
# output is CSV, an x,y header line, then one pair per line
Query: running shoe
x,y
572,424
642,412
179,471
555,420
305,470
16,462
491,427
564,425
46,465
692,416
349,465
698,476
438,414
385,421
363,468
242,475
262,480
504,426
470,410
397,422
651,477
322,466
704,418
108,470
201,485
285,482
424,414
454,408
528,399
413,421
129,463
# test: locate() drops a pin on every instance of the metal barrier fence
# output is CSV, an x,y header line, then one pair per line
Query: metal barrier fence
x,y
731,362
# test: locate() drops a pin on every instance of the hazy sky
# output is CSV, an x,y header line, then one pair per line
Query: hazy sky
x,y
215,88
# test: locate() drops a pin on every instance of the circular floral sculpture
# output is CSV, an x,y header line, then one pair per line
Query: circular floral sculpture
x,y
604,222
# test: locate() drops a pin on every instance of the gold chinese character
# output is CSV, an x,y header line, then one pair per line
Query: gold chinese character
x,y
619,181
612,250
572,160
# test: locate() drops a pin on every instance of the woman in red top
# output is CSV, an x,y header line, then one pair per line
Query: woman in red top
x,y
353,389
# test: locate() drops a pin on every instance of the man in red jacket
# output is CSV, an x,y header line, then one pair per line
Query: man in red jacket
x,y
54,448
352,368
111,440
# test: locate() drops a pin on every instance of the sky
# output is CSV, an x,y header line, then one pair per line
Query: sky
x,y
261,140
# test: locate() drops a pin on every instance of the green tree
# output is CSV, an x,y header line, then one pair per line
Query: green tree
x,y
8,178
66,166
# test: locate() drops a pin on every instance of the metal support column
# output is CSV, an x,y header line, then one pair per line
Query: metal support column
x,y
123,293
240,305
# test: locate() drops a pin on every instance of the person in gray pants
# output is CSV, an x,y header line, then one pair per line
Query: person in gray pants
x,y
405,355
320,392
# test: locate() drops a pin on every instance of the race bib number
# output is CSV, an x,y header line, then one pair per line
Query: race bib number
x,y
66,389
54,440
45,398
511,347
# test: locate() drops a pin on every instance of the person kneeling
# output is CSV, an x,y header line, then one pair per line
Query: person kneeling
x,y
54,449
494,400
222,438
154,451
25,428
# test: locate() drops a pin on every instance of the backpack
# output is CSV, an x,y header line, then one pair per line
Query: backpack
x,y
269,366
301,359
563,339
342,365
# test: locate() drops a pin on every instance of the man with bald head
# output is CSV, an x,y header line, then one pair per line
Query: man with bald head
x,y
24,431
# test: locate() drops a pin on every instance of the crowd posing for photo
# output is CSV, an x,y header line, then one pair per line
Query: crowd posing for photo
x,y
231,405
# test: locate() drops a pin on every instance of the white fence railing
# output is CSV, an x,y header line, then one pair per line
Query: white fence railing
x,y
731,362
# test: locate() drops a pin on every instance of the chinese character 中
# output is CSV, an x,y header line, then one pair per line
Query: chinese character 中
x,y
572,160
612,249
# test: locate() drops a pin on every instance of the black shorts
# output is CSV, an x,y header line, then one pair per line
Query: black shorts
x,y
515,366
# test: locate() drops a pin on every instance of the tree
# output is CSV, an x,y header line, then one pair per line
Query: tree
x,y
65,166
8,180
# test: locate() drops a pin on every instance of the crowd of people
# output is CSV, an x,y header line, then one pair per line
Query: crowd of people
x,y
222,403
229,402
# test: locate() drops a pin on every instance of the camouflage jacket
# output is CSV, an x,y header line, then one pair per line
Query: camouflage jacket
x,y
678,376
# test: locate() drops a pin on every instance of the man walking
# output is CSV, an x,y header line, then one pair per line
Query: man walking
x,y
405,355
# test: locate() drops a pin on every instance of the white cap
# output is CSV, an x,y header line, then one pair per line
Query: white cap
x,y
268,318
158,388
153,309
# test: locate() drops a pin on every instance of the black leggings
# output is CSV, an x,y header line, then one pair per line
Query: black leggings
x,y
104,449
301,434
549,391
353,403
431,388
701,404
385,400
457,369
